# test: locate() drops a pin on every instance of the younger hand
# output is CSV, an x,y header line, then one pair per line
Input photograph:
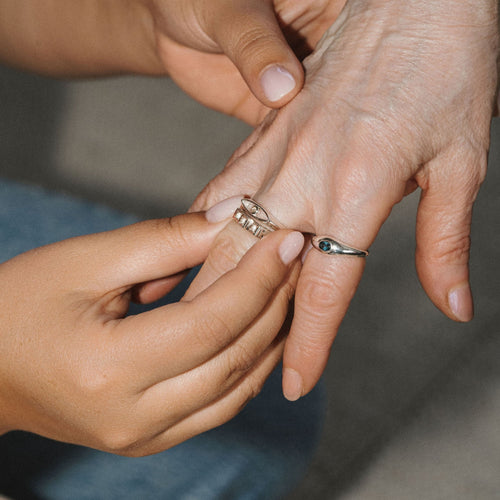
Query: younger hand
x,y
240,57
75,368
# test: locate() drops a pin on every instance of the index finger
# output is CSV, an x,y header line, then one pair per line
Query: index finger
x,y
173,339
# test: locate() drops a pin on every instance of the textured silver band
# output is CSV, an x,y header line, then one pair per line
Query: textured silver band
x,y
329,246
254,218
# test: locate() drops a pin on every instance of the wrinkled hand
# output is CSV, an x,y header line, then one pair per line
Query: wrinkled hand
x,y
75,368
398,95
240,57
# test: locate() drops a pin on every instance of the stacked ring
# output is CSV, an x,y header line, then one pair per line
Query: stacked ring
x,y
254,218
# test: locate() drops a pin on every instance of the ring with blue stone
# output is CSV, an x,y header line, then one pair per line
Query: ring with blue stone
x,y
329,246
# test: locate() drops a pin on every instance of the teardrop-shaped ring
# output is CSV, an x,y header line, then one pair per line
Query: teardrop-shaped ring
x,y
329,246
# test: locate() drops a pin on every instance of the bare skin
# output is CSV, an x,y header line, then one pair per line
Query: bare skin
x,y
75,368
217,51
398,96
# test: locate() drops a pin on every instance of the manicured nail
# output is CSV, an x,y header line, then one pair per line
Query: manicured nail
x,y
292,384
307,249
291,247
223,210
276,83
460,301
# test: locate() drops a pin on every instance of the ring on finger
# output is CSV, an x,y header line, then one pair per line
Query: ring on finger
x,y
331,246
254,218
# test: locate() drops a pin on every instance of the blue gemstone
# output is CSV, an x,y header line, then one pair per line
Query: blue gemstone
x,y
325,246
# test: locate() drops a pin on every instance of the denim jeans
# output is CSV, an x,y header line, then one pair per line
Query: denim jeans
x,y
260,454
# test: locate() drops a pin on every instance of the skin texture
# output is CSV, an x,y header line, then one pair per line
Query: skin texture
x,y
73,367
221,56
139,384
398,96
217,51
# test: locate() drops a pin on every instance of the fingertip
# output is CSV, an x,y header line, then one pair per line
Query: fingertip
x,y
255,43
461,303
293,385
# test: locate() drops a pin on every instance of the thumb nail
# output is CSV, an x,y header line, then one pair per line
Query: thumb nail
x,y
276,82
223,210
291,247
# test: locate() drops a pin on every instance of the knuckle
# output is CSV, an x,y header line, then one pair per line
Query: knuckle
x,y
253,43
240,359
288,291
223,256
267,284
121,440
319,294
172,228
207,198
451,249
253,389
313,347
214,331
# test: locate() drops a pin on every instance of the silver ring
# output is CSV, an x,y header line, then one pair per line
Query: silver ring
x,y
254,218
329,246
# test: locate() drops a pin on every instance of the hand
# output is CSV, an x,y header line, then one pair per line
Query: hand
x,y
398,95
232,55
240,57
74,368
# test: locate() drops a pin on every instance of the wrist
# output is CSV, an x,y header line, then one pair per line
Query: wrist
x,y
136,38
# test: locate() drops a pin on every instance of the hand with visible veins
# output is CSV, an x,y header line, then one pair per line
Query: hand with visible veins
x,y
75,368
398,96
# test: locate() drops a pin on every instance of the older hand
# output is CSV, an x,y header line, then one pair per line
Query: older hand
x,y
74,368
398,95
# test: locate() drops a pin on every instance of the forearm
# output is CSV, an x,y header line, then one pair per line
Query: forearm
x,y
78,38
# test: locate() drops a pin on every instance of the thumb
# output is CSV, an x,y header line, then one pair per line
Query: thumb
x,y
249,34
443,233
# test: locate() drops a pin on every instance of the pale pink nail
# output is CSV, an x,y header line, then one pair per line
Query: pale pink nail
x,y
223,210
291,247
307,249
276,82
460,301
293,385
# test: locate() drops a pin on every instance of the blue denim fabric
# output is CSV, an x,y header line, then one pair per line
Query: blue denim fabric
x,y
261,454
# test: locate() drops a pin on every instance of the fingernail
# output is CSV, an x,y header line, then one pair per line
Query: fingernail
x,y
292,384
223,210
306,251
460,301
291,247
276,83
